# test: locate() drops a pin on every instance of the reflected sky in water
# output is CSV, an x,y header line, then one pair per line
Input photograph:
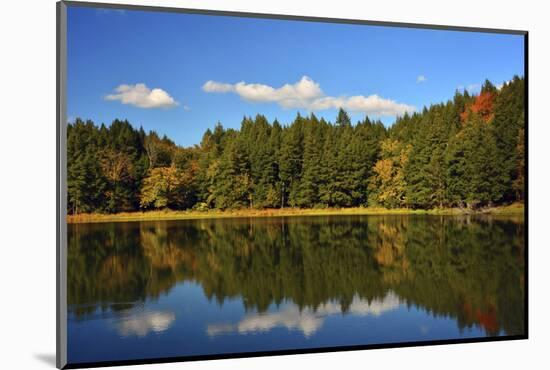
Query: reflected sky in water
x,y
142,323
177,288
308,320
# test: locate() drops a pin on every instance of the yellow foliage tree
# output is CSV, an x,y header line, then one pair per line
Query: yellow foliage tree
x,y
387,185
167,187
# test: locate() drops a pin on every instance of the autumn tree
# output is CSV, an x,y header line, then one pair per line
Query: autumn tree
x,y
161,188
117,168
387,184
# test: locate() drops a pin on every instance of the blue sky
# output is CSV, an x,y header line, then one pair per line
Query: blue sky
x,y
179,74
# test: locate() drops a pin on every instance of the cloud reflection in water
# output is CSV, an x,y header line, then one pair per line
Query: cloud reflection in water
x,y
308,321
141,323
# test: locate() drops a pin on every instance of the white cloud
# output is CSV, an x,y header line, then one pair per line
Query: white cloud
x,y
186,108
141,96
421,79
218,87
372,104
307,94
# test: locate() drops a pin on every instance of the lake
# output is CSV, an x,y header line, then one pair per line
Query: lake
x,y
156,289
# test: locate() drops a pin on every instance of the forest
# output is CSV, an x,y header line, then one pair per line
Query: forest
x,y
468,152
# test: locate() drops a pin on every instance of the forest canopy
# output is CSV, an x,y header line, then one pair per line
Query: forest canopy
x,y
467,152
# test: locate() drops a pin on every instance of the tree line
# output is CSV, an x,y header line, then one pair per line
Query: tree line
x,y
467,152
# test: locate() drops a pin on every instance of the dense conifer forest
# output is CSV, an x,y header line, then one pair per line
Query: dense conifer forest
x,y
467,152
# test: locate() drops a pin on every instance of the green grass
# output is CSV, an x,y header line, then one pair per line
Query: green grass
x,y
512,209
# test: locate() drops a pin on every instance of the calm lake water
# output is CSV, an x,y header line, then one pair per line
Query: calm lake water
x,y
178,288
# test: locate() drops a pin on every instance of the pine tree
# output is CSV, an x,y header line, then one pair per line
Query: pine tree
x,y
290,162
455,164
85,185
480,153
328,183
273,197
260,157
308,192
425,170
519,182
508,120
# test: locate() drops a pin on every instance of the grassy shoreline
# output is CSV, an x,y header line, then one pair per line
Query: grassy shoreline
x,y
512,209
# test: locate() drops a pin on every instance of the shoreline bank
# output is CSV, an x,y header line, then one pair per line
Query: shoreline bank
x,y
165,215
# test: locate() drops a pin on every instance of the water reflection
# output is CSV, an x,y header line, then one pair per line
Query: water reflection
x,y
142,323
308,320
469,269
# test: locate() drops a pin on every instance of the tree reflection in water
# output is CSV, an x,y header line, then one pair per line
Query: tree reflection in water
x,y
467,268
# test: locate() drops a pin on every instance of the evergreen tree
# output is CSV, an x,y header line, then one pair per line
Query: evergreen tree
x,y
519,182
508,120
290,162
232,185
478,147
342,119
328,184
308,192
425,170
85,185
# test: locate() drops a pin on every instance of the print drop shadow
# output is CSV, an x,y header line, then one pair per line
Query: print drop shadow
x,y
47,358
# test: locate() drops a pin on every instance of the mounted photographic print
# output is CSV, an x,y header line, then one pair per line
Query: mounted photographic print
x,y
234,184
